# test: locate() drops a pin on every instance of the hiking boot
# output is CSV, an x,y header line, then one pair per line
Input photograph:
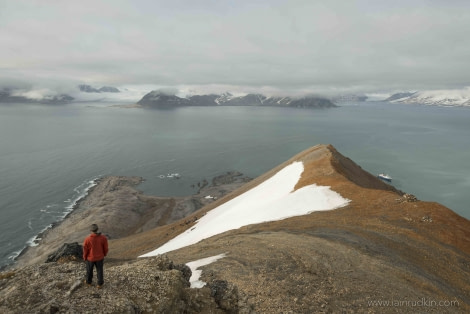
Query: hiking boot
x,y
86,283
99,286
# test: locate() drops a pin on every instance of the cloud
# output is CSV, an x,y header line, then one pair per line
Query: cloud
x,y
288,46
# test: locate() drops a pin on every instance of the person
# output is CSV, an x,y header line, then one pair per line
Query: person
x,y
95,248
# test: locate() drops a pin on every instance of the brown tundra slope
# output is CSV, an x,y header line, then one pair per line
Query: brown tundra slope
x,y
384,252
382,247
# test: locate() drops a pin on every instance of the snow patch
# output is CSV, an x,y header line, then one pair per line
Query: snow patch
x,y
274,199
196,273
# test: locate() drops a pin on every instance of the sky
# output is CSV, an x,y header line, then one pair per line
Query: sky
x,y
269,46
273,199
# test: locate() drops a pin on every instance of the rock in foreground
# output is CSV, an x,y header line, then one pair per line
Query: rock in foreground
x,y
152,285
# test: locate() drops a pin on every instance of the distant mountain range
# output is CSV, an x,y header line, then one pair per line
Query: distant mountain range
x,y
162,99
449,98
159,99
16,95
10,96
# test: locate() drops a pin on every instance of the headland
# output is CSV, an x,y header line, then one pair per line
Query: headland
x,y
384,252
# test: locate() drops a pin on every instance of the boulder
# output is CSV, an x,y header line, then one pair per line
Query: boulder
x,y
67,252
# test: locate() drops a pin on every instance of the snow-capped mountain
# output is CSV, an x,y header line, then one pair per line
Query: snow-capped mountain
x,y
225,97
457,97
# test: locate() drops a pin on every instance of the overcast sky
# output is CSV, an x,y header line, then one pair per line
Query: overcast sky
x,y
269,45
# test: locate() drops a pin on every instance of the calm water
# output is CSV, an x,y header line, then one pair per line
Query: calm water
x,y
50,155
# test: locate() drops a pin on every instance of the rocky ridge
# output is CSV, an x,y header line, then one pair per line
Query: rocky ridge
x,y
385,252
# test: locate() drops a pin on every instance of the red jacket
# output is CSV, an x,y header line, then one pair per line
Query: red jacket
x,y
95,247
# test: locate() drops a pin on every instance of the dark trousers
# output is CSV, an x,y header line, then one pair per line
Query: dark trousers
x,y
99,271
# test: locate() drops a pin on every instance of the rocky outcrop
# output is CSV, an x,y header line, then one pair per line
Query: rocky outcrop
x,y
151,285
68,251
229,178
160,99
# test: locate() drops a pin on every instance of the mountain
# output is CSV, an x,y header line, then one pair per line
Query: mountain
x,y
223,98
104,89
204,100
159,99
459,97
316,234
247,100
15,96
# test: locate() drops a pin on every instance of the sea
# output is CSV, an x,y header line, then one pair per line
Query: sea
x,y
51,155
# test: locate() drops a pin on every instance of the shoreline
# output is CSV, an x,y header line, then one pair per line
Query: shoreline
x,y
107,202
36,240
